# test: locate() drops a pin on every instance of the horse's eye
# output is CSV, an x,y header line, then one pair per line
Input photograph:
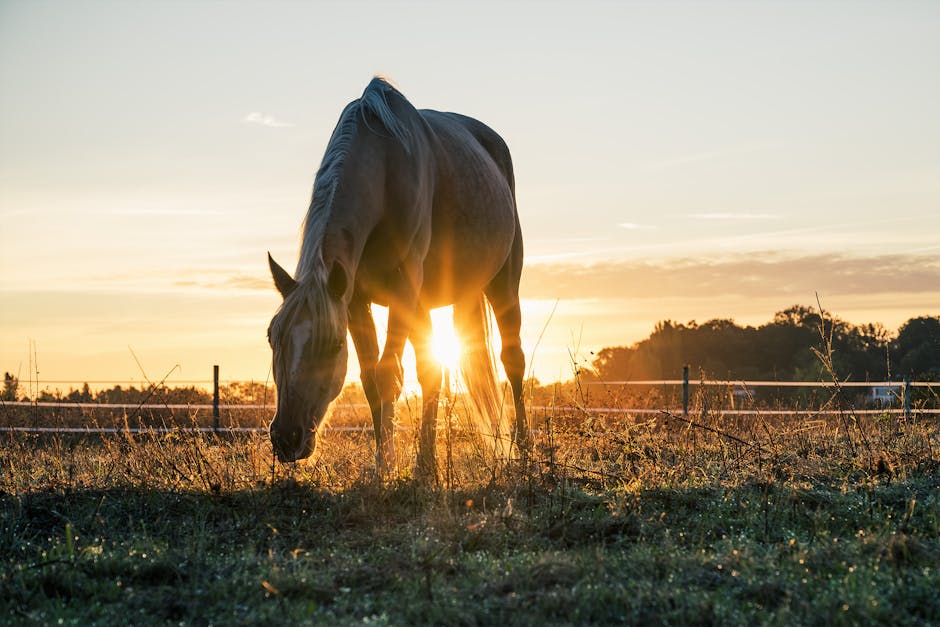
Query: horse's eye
x,y
338,347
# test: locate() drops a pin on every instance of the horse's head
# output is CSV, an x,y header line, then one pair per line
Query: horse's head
x,y
308,337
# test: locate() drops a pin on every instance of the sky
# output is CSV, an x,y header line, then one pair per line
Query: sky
x,y
674,160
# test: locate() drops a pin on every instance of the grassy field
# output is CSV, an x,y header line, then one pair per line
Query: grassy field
x,y
636,521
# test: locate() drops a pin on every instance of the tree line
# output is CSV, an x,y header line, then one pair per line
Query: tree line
x,y
799,344
235,393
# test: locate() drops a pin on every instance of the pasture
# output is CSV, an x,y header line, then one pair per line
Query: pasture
x,y
611,520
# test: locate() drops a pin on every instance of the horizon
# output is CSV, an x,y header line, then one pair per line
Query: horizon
x,y
673,162
443,347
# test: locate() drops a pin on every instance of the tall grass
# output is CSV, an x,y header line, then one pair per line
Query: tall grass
x,y
611,519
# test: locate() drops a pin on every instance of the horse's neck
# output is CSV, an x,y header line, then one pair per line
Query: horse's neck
x,y
341,244
348,230
354,218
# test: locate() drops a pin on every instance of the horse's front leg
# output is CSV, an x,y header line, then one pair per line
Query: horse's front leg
x,y
362,330
388,372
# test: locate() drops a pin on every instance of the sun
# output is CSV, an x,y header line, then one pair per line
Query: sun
x,y
444,343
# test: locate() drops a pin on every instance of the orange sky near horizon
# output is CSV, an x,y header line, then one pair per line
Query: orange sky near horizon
x,y
555,334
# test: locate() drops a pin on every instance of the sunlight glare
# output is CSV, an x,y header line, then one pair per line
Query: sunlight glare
x,y
444,344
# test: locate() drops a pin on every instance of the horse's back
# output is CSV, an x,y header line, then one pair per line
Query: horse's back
x,y
474,221
488,139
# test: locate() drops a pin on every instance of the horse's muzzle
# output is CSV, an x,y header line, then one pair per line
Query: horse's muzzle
x,y
292,443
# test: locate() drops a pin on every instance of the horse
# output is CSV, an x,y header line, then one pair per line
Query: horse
x,y
412,210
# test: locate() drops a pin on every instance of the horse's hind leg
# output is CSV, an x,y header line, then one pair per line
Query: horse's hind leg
x,y
503,294
509,320
429,376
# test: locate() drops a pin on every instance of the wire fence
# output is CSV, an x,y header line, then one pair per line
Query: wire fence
x,y
892,391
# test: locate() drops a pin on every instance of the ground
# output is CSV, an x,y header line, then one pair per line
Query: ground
x,y
639,522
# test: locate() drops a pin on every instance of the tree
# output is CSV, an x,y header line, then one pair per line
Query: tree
x,y
781,350
80,396
10,386
616,362
916,351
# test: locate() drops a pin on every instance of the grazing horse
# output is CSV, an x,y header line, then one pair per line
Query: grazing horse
x,y
413,210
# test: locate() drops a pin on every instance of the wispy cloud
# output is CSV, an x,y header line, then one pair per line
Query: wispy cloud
x,y
265,119
164,212
220,280
734,215
539,241
711,155
745,276
555,249
551,258
633,226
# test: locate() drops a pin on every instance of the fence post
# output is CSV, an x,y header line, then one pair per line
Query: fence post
x,y
907,397
685,390
215,398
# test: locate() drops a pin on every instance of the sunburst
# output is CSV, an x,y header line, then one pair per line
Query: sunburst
x,y
445,344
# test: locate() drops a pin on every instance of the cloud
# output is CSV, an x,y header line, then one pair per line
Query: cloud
x,y
712,155
265,119
221,281
550,258
730,215
754,275
164,212
633,226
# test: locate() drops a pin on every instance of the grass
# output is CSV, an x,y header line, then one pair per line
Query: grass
x,y
658,521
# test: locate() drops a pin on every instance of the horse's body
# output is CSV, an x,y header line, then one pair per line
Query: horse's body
x,y
413,210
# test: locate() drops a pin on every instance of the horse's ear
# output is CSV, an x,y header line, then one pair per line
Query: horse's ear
x,y
338,281
282,280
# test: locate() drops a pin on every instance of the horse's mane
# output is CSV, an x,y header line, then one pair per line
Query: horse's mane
x,y
374,101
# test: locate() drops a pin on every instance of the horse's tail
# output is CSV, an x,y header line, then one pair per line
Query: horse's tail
x,y
478,370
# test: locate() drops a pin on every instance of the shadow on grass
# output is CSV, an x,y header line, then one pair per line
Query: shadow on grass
x,y
402,553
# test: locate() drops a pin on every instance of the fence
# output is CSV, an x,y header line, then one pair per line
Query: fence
x,y
904,388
